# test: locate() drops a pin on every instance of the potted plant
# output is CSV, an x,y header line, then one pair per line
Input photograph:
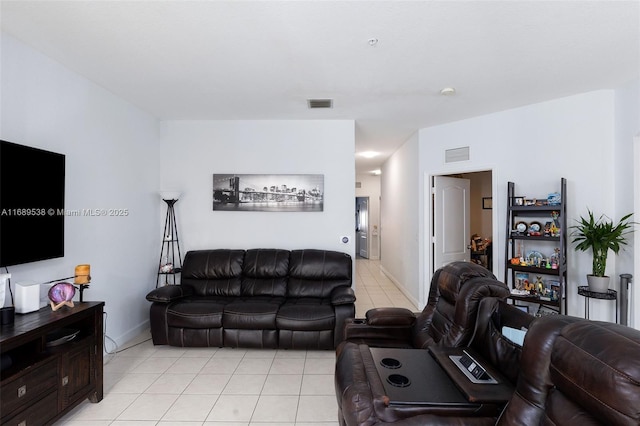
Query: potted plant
x,y
600,236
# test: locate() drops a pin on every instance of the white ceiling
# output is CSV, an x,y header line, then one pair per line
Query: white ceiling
x,y
263,59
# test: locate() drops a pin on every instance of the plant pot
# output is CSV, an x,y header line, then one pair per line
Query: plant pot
x,y
598,284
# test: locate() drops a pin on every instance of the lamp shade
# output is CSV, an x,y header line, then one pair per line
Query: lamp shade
x,y
82,274
170,195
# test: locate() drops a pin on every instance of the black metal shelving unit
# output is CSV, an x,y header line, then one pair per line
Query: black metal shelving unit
x,y
517,212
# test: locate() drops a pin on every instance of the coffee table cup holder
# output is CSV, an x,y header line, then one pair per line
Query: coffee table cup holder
x,y
398,380
390,363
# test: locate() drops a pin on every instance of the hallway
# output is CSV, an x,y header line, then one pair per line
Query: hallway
x,y
374,289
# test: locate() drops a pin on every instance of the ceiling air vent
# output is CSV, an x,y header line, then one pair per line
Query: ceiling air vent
x,y
456,154
319,103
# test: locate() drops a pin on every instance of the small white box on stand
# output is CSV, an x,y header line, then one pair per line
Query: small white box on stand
x,y
29,297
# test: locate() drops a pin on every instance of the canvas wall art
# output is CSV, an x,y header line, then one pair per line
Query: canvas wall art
x,y
272,193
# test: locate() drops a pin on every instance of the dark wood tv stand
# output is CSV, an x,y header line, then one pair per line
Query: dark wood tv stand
x,y
45,381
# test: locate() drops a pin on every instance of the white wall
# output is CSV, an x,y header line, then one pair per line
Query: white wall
x,y
192,151
627,126
112,160
534,146
399,219
370,187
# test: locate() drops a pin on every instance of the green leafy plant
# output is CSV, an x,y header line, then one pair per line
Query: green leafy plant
x,y
600,236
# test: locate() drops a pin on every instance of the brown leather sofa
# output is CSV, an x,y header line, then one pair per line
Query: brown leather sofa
x,y
258,298
570,372
362,397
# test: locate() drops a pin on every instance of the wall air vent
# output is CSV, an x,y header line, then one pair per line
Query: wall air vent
x,y
319,103
358,184
456,154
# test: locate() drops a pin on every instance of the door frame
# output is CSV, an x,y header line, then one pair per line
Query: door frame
x,y
426,272
634,300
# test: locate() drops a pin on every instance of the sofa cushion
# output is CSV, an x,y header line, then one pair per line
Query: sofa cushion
x,y
265,272
192,313
306,314
251,313
213,272
315,273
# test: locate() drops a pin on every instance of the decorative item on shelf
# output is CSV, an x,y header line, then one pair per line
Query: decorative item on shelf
x,y
535,259
600,236
535,229
166,267
555,258
554,199
554,286
61,294
554,229
521,228
521,280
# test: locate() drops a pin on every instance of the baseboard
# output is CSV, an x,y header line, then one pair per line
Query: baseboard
x,y
400,286
124,338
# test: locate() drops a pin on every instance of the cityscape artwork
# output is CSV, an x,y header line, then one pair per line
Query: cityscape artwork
x,y
268,193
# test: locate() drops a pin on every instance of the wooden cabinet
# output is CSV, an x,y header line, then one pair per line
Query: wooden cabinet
x,y
537,235
43,374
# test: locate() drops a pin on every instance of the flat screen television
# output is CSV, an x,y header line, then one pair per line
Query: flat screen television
x,y
31,204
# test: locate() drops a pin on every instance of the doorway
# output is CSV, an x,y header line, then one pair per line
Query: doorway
x,y
479,221
362,227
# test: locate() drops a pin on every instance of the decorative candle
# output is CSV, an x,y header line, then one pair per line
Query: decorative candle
x,y
83,274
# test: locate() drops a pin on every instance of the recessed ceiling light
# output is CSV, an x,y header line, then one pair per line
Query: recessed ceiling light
x,y
376,172
369,154
372,42
448,91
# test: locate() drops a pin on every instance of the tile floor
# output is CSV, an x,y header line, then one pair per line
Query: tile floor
x,y
161,385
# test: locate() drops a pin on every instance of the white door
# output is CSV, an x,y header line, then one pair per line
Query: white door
x,y
362,226
451,236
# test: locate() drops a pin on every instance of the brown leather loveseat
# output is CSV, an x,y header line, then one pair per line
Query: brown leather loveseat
x,y
258,298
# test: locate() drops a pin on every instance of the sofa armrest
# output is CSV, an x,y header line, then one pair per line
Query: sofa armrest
x,y
169,293
390,317
391,325
343,296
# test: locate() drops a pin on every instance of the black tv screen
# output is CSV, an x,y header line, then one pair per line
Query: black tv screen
x,y
31,204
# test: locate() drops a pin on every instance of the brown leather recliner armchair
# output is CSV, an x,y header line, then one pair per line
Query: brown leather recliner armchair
x,y
448,319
